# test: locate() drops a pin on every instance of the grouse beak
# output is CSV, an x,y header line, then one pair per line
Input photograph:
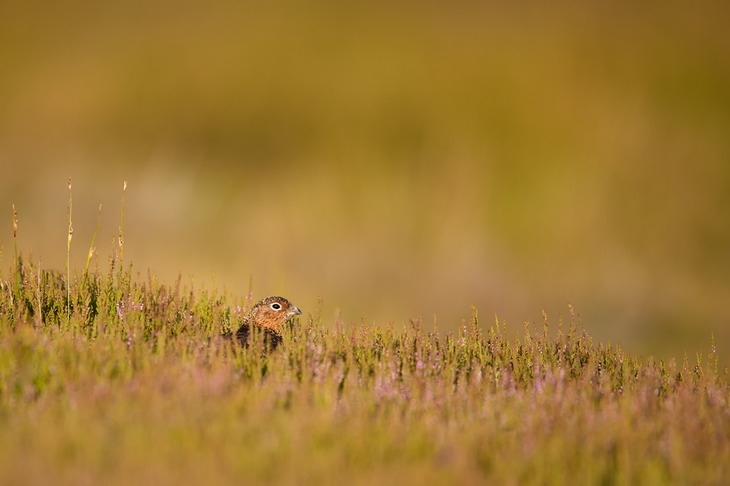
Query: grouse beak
x,y
295,312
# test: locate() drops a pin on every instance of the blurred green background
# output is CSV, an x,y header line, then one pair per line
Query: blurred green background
x,y
396,159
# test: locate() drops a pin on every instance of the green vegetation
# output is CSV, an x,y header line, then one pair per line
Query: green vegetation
x,y
137,385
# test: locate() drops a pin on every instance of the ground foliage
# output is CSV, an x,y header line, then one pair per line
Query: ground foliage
x,y
124,378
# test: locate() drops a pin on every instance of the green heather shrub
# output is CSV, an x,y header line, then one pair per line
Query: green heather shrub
x,y
133,382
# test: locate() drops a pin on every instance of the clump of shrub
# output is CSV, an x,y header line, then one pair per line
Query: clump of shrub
x,y
118,377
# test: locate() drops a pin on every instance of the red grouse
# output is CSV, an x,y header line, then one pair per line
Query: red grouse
x,y
268,315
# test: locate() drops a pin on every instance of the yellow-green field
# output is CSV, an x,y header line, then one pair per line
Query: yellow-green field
x,y
133,384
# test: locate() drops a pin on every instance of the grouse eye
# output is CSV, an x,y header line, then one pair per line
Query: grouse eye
x,y
276,306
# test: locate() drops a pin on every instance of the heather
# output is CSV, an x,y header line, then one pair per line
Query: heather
x,y
120,377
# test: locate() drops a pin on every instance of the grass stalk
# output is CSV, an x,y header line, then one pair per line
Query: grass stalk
x,y
121,227
68,252
39,296
92,248
16,263
15,235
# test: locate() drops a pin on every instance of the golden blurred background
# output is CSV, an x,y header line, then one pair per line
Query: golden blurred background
x,y
396,159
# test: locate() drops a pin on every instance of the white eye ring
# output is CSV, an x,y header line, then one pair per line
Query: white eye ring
x,y
276,306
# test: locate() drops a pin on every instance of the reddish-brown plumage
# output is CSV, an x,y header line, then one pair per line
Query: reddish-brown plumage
x,y
269,315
